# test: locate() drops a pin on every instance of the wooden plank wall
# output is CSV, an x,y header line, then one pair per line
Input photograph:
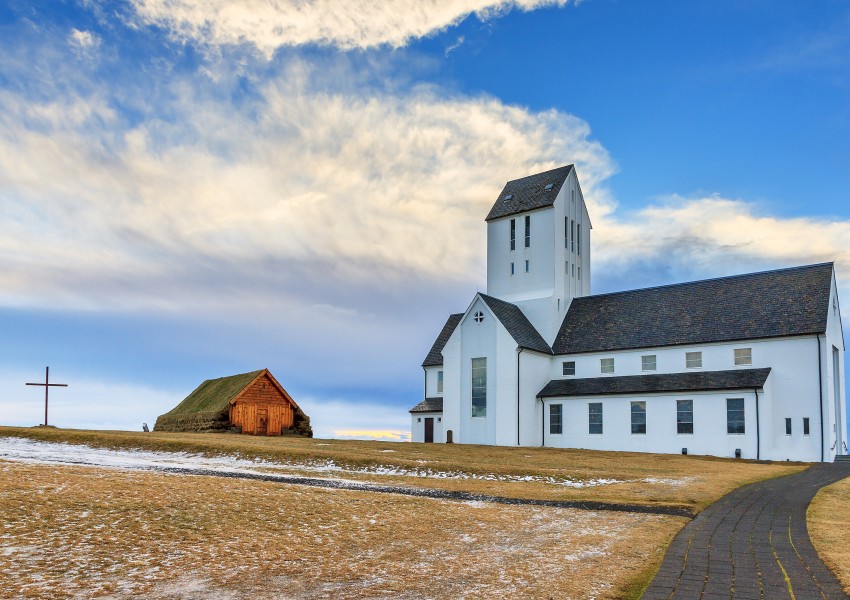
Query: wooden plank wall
x,y
262,395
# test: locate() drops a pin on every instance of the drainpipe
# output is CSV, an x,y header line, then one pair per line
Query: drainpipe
x,y
758,426
820,386
519,351
543,423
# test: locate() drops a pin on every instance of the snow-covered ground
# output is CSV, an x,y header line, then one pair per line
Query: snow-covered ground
x,y
33,451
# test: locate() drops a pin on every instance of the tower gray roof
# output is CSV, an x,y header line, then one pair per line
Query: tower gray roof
x,y
779,303
529,193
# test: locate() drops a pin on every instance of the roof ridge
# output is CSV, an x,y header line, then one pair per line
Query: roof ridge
x,y
541,173
724,277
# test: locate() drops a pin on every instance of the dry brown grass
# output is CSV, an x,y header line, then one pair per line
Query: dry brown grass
x,y
688,481
94,532
828,519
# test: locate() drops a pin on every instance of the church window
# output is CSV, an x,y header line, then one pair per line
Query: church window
x,y
805,425
743,356
579,273
549,186
479,387
578,238
787,426
508,197
639,417
606,365
513,234
528,231
684,416
526,266
418,419
574,270
569,367
439,382
572,236
693,360
566,232
594,417
735,415
556,418
573,196
478,316
512,268
647,362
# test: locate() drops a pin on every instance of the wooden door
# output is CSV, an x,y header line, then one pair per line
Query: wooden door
x,y
262,421
429,430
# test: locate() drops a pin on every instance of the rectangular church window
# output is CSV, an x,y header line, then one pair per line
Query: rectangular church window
x,y
735,415
528,231
439,382
606,365
743,356
572,236
594,417
569,367
479,387
578,238
805,425
556,422
513,234
639,417
788,426
684,416
647,362
566,232
693,360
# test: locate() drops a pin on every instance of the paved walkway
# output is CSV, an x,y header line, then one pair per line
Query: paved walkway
x,y
753,543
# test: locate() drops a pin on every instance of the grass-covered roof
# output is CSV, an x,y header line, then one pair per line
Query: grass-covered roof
x,y
213,395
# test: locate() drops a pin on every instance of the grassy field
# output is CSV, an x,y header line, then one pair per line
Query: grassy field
x,y
828,520
653,479
83,531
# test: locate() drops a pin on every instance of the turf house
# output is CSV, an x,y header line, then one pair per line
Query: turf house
x,y
749,365
251,403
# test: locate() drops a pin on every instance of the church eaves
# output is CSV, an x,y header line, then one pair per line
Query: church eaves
x,y
435,356
769,304
529,193
517,324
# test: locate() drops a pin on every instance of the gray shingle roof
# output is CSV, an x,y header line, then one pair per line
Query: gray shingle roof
x,y
429,405
758,305
696,381
529,193
435,358
517,324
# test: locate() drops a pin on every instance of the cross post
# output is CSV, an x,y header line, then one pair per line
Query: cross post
x,y
47,385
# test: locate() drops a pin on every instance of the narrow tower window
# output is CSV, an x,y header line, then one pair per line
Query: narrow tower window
x,y
513,234
573,236
578,238
566,232
528,231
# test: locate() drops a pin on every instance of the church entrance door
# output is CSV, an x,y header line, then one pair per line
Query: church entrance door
x,y
429,430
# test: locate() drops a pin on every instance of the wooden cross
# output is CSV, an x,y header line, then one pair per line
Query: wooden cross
x,y
47,385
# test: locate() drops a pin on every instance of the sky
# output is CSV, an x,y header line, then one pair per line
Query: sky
x,y
197,189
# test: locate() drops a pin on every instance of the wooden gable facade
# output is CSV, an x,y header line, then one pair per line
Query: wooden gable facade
x,y
253,403
263,407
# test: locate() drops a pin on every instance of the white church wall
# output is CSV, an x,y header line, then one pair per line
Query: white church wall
x,y
431,381
505,395
835,398
417,427
451,385
479,341
792,390
710,435
535,369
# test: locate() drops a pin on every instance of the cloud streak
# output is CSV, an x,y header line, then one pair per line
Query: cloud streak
x,y
352,24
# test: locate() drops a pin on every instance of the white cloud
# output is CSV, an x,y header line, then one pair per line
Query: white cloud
x,y
370,188
346,24
83,41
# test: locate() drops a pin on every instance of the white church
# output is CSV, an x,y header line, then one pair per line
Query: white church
x,y
749,366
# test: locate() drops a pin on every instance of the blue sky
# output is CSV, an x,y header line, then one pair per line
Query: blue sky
x,y
193,190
